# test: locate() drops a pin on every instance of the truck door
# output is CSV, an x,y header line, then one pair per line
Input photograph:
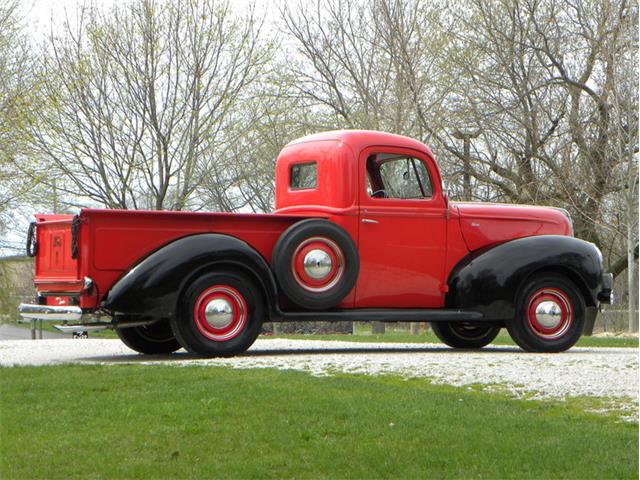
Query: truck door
x,y
402,230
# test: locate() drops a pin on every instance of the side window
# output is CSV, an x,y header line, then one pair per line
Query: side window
x,y
397,176
303,175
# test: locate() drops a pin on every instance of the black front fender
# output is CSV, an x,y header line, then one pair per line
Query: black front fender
x,y
152,287
488,280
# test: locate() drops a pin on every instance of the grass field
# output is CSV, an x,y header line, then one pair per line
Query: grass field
x,y
363,334
194,422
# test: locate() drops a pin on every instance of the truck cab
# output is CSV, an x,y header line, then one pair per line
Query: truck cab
x,y
386,191
362,230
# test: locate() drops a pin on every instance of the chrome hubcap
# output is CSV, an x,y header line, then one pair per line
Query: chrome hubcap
x,y
219,313
549,314
317,264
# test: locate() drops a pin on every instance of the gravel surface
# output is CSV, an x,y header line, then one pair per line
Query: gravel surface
x,y
596,372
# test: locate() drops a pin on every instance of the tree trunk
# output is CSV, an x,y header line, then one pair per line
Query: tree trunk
x,y
632,226
631,275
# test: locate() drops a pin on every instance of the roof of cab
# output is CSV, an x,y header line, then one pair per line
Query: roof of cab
x,y
359,139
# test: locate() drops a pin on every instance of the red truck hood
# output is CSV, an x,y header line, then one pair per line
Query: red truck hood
x,y
484,224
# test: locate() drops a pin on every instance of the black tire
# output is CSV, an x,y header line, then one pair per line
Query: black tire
x,y
246,307
529,332
289,252
149,339
465,334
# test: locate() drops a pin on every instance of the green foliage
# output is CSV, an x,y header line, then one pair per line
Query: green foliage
x,y
195,422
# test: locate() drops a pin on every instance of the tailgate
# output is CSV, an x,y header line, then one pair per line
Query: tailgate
x,y
56,262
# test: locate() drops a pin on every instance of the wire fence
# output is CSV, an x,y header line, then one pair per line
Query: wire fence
x,y
613,320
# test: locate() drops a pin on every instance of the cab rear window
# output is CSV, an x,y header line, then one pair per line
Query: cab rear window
x,y
303,175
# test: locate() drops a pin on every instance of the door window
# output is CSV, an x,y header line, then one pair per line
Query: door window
x,y
398,176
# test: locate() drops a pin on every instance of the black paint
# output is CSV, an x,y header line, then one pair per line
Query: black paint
x,y
153,286
488,280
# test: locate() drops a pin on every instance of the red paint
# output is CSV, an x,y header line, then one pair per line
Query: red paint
x,y
402,243
55,270
58,301
406,252
485,224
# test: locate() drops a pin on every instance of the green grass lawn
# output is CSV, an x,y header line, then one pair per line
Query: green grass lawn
x,y
206,422
363,334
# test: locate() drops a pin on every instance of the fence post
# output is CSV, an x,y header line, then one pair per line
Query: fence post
x,y
377,328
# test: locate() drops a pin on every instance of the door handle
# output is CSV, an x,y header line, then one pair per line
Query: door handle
x,y
369,220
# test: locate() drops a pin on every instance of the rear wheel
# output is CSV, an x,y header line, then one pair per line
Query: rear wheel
x,y
150,339
550,314
465,334
220,314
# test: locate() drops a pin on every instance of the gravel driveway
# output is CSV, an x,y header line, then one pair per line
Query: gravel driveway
x,y
610,373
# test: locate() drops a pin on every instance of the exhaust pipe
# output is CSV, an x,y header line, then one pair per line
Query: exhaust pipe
x,y
95,326
83,327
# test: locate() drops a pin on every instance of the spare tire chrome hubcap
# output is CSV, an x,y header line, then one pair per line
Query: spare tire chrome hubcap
x,y
317,264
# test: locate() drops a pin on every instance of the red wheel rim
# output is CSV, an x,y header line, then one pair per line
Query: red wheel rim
x,y
549,313
220,313
328,274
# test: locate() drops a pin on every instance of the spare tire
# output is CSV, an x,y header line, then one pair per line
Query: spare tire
x,y
316,263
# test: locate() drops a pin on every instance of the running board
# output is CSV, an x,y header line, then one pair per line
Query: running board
x,y
383,315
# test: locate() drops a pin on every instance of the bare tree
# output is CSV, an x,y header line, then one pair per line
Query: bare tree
x,y
141,99
18,93
536,83
271,120
349,61
622,59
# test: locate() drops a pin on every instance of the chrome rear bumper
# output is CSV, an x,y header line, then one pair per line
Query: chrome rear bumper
x,y
68,313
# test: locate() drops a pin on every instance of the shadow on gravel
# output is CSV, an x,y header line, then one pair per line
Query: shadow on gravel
x,y
182,355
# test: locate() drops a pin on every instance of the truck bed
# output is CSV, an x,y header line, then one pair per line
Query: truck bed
x,y
110,242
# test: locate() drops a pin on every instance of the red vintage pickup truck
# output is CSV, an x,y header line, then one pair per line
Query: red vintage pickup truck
x,y
362,231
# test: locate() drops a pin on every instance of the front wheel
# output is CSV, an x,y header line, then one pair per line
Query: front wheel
x,y
150,339
220,314
550,314
465,334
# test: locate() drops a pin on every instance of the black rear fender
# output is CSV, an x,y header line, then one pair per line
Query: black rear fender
x,y
488,280
153,286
